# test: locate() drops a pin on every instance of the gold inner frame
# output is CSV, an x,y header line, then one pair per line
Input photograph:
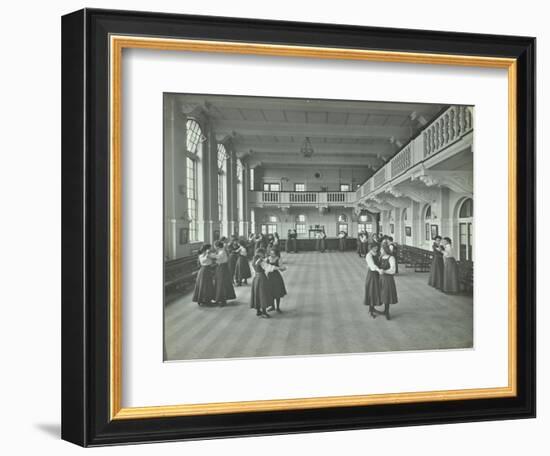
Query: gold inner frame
x,y
117,44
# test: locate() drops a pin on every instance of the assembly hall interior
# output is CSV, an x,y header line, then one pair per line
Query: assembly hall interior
x,y
239,166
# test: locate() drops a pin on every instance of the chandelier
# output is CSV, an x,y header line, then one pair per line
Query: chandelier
x,y
307,148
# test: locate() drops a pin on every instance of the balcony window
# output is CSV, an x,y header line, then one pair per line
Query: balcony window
x,y
345,187
299,187
272,187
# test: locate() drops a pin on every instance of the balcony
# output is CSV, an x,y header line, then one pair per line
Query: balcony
x,y
452,126
300,199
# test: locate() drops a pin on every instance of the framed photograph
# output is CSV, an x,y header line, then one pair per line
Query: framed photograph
x,y
179,194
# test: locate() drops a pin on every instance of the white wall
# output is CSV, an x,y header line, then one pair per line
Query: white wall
x,y
30,228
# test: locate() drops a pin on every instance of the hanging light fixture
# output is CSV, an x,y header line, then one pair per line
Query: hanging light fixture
x,y
307,148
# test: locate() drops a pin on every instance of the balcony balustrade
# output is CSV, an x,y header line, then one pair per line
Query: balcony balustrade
x,y
302,198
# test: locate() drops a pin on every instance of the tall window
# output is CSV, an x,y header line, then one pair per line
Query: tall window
x,y
342,224
240,192
301,225
222,175
345,187
271,226
364,223
427,220
251,179
466,230
299,187
194,140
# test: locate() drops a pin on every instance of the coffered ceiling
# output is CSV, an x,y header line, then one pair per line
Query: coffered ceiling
x,y
272,130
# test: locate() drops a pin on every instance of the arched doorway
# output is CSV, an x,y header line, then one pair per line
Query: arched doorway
x,y
466,230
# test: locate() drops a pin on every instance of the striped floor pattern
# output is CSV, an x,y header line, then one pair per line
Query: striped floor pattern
x,y
322,314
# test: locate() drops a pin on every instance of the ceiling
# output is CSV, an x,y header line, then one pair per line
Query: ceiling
x,y
272,130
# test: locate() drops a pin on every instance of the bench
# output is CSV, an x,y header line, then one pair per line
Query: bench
x,y
466,276
414,257
180,274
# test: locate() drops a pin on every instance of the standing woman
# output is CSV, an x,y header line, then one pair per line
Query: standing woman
x,y
250,246
222,279
258,242
364,244
291,244
321,241
275,280
204,292
260,296
342,236
233,251
242,269
388,291
437,267
450,268
276,244
372,282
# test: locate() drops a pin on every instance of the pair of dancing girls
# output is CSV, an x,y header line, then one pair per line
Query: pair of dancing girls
x,y
214,283
268,286
380,283
444,269
238,262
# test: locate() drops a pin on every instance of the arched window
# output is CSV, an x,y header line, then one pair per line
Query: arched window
x,y
270,225
194,135
194,151
365,223
222,180
466,230
301,225
342,224
467,209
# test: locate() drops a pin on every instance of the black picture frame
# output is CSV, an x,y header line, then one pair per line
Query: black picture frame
x,y
434,231
85,228
408,231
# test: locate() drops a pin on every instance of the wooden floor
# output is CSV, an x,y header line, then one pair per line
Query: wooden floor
x,y
323,313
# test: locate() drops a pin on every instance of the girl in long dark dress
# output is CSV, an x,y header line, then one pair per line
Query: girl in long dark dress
x,y
342,236
450,268
291,244
222,278
250,246
260,296
321,241
363,244
388,291
233,251
437,266
276,244
204,292
242,269
372,282
275,280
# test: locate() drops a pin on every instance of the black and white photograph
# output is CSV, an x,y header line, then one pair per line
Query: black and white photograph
x,y
297,227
